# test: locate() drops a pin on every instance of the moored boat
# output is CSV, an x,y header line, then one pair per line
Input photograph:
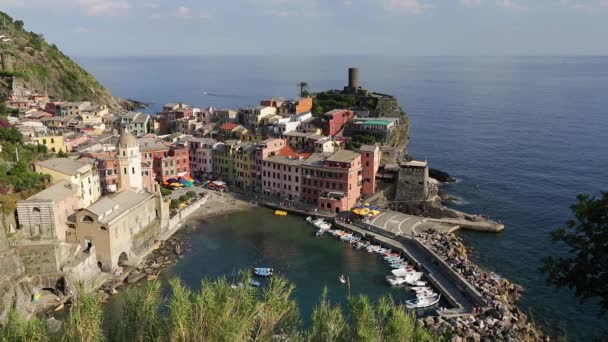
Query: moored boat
x,y
263,271
422,301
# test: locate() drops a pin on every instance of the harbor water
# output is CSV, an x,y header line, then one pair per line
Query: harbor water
x,y
524,136
224,245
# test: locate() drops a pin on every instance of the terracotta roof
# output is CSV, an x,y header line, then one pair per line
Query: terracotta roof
x,y
228,126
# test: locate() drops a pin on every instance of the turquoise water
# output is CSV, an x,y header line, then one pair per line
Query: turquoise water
x,y
524,135
223,245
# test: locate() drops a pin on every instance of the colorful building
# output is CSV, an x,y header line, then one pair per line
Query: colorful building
x,y
263,150
223,160
201,156
333,122
282,175
370,160
80,174
333,182
244,166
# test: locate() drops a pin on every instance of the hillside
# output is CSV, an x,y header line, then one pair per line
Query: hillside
x,y
41,67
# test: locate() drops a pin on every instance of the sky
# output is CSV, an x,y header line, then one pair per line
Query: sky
x,y
318,27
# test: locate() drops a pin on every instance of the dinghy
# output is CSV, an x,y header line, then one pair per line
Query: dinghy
x,y
422,301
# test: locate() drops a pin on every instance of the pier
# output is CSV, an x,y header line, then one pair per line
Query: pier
x,y
399,231
455,289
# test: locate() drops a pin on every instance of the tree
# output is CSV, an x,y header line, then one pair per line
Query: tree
x,y
19,24
585,268
10,134
303,88
61,154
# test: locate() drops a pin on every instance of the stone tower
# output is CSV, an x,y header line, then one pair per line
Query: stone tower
x,y
129,162
412,182
6,62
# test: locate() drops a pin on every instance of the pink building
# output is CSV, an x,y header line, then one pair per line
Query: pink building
x,y
282,175
147,177
333,121
332,183
201,156
370,159
73,143
263,150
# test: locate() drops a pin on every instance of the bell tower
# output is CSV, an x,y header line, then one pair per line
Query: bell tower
x,y
129,162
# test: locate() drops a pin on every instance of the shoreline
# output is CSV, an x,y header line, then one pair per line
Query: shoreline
x,y
496,321
166,253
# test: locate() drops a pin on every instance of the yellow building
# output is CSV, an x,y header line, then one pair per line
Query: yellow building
x,y
54,143
223,160
80,174
244,165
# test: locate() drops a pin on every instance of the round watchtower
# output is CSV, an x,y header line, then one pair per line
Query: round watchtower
x,y
353,78
7,62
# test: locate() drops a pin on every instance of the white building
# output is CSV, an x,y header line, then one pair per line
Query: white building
x,y
129,162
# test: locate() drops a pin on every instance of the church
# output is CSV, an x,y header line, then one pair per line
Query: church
x,y
120,225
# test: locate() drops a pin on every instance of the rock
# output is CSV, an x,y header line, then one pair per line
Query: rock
x,y
135,277
53,325
456,338
429,321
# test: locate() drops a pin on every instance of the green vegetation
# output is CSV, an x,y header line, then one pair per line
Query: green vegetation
x,y
174,204
165,192
45,68
329,100
219,312
585,268
303,89
360,139
17,180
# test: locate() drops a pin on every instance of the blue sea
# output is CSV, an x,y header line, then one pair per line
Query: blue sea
x,y
523,136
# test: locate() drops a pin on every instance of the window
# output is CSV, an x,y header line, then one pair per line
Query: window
x,y
133,170
36,209
103,228
87,218
124,171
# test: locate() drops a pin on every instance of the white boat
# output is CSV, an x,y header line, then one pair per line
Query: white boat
x,y
309,219
409,278
342,279
320,232
402,272
422,301
420,288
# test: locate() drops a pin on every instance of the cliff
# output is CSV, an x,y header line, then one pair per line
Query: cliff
x,y
28,61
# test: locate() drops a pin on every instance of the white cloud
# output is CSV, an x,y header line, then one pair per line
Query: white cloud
x,y
511,5
590,5
184,12
104,7
347,3
471,3
82,29
408,6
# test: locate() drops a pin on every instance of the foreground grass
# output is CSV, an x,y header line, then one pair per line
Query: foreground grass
x,y
219,312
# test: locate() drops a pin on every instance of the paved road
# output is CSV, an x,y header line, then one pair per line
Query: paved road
x,y
404,224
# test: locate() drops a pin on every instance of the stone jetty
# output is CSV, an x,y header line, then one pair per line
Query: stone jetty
x,y
500,320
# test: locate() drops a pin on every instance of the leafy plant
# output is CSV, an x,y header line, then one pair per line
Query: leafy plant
x,y
585,268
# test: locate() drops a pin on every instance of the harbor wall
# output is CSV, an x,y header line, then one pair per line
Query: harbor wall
x,y
458,280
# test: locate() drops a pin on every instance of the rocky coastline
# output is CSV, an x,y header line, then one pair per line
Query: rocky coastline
x,y
501,320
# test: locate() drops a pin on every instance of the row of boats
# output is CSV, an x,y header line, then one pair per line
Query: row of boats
x,y
403,273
